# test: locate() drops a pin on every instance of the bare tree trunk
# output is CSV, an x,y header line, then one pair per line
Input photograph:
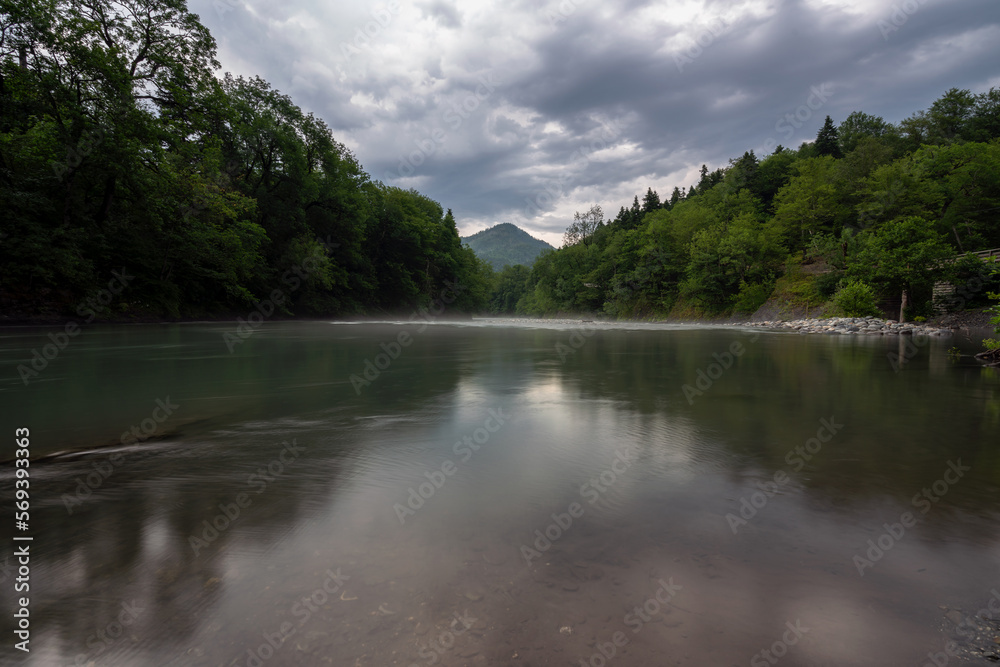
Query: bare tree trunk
x,y
902,306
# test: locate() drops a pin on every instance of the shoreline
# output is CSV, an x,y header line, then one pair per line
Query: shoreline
x,y
944,325
234,318
860,326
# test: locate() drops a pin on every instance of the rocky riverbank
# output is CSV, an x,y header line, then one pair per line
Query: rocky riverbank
x,y
858,326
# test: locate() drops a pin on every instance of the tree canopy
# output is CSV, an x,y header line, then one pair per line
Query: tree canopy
x,y
869,203
119,147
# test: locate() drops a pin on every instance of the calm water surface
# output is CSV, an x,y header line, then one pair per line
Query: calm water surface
x,y
503,494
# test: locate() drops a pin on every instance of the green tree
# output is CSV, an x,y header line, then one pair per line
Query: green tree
x,y
511,285
985,122
773,173
120,147
635,212
809,203
856,299
675,197
742,172
956,187
650,202
827,140
720,244
703,183
858,126
945,122
900,256
723,258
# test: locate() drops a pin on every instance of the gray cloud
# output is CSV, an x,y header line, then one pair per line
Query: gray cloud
x,y
515,99
446,14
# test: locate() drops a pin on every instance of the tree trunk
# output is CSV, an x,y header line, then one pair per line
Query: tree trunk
x,y
902,306
109,196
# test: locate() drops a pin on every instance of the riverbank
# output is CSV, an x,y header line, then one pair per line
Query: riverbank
x,y
940,326
861,326
236,318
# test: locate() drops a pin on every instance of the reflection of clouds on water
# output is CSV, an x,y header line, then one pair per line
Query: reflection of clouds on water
x,y
661,516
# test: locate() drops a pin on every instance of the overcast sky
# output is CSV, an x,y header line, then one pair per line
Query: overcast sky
x,y
525,111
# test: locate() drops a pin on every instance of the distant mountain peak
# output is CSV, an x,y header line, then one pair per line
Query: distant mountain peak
x,y
504,244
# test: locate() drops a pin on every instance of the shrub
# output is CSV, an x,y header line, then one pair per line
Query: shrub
x,y
826,283
752,296
993,344
856,299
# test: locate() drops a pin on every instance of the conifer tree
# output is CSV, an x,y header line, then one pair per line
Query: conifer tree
x,y
828,141
651,201
675,197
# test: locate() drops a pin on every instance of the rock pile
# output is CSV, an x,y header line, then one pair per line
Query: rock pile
x,y
857,326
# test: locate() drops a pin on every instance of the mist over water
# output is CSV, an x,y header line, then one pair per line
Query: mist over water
x,y
497,492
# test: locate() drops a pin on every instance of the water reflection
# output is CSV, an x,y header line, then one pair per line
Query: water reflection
x,y
488,500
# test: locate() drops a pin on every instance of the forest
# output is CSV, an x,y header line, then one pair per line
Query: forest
x,y
868,212
122,151
506,244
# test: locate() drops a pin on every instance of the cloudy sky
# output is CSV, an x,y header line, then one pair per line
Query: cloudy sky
x,y
526,111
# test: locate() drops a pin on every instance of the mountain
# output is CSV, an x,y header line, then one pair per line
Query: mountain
x,y
506,244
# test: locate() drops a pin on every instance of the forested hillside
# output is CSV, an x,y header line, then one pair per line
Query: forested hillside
x,y
125,160
121,151
506,245
868,211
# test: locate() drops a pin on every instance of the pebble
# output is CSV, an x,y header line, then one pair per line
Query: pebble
x,y
857,326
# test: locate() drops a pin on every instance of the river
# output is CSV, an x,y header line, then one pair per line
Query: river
x,y
501,493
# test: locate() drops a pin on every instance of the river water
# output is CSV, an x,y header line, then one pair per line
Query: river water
x,y
502,493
